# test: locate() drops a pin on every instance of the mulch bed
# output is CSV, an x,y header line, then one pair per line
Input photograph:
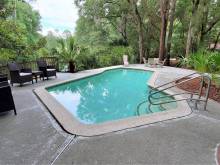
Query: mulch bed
x,y
193,85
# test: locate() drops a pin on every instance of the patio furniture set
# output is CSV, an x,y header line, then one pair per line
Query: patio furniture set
x,y
22,75
152,62
156,63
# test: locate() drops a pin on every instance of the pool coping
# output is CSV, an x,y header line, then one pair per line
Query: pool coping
x,y
71,124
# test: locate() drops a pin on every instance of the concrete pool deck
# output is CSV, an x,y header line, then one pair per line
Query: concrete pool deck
x,y
34,137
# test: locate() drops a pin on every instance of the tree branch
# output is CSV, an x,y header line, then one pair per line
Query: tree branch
x,y
211,25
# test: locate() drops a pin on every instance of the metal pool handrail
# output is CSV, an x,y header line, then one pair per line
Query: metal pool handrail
x,y
161,90
202,84
172,81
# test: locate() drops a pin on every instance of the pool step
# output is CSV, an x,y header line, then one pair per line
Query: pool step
x,y
145,107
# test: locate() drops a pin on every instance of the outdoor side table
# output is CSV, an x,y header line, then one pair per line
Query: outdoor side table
x,y
37,74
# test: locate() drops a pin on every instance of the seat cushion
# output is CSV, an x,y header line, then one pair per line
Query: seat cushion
x,y
126,63
25,74
51,69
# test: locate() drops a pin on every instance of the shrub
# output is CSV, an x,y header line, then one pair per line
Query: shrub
x,y
215,67
205,62
7,54
113,56
97,57
200,61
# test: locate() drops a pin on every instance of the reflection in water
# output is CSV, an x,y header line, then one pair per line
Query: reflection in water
x,y
112,95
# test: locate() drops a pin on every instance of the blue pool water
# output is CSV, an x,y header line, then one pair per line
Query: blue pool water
x,y
111,95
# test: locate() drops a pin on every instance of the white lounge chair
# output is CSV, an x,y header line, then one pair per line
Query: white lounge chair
x,y
150,62
153,62
125,60
144,60
159,63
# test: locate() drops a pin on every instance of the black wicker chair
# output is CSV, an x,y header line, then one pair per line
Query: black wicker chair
x,y
6,98
48,71
3,77
19,75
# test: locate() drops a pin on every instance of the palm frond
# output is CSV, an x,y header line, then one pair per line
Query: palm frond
x,y
67,49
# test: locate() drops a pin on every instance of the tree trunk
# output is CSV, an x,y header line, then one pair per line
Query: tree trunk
x,y
205,13
170,32
140,31
190,30
124,29
189,39
164,4
121,27
141,43
207,23
216,41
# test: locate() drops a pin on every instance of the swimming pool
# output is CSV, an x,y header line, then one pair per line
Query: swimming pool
x,y
112,95
105,100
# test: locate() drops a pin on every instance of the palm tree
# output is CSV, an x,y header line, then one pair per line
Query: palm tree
x,y
68,51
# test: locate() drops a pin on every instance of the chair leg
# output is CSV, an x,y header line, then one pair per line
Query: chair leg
x,y
15,112
32,82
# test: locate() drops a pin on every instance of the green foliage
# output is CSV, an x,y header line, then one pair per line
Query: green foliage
x,y
215,67
113,55
12,38
19,38
205,62
68,50
200,61
6,54
106,30
102,23
91,33
6,8
29,20
51,43
215,62
103,56
107,23
216,79
86,60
